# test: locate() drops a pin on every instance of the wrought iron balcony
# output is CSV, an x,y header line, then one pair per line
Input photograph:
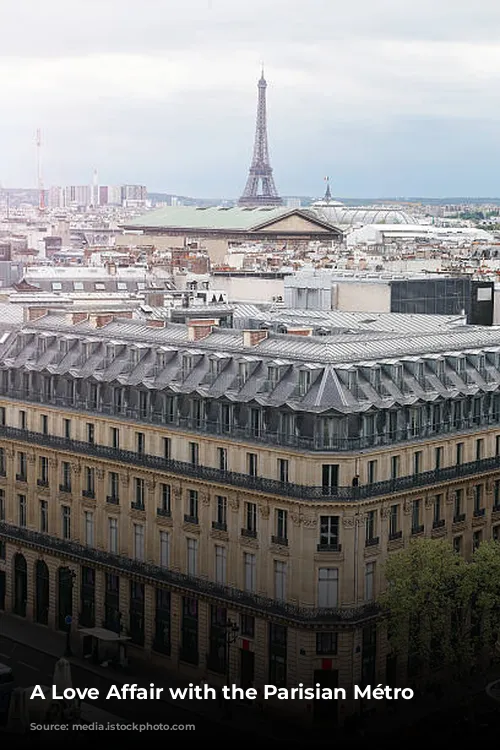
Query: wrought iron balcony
x,y
281,540
329,548
439,523
372,541
42,482
88,493
113,499
137,505
218,526
165,512
395,535
64,488
417,529
459,517
21,477
258,484
181,583
478,512
251,533
190,519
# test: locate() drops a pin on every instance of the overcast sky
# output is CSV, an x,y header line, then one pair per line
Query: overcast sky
x,y
387,97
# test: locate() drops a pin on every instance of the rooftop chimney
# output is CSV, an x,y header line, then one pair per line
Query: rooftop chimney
x,y
77,317
33,313
252,338
199,329
99,320
155,323
300,331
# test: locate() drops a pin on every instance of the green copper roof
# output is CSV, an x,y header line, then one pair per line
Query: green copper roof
x,y
208,218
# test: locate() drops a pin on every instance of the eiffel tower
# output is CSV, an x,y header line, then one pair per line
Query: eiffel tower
x,y
260,169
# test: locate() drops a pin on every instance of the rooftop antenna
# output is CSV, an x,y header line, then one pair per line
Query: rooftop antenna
x,y
41,192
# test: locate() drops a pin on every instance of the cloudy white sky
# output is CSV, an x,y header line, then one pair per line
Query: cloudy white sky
x,y
388,97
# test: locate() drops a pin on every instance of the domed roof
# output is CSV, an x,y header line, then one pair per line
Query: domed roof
x,y
337,213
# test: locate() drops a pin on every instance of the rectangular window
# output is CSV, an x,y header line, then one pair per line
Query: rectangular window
x,y
372,472
247,626
250,519
252,464
326,644
164,549
90,433
44,516
478,500
457,544
438,507
139,494
438,458
417,462
138,541
140,442
165,499
394,522
279,580
222,459
329,532
220,564
281,526
250,566
22,420
415,516
394,467
370,528
221,519
192,557
458,514
192,506
43,475
277,655
44,424
369,581
330,478
22,510
115,437
113,535
66,477
2,505
328,583
66,521
479,449
89,528
67,428
3,465
114,485
22,467
89,481
194,454
497,446
496,495
459,454
283,470
167,448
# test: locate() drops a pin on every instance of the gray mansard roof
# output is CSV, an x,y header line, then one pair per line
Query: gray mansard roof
x,y
344,374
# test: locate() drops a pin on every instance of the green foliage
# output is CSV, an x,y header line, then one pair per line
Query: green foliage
x,y
437,602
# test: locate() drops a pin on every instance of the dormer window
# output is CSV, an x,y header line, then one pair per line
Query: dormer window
x,y
187,365
135,357
352,381
419,372
304,382
439,369
397,375
375,378
161,360
243,372
273,376
41,345
460,365
214,367
63,346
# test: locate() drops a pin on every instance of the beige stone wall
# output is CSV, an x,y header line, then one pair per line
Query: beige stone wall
x,y
301,555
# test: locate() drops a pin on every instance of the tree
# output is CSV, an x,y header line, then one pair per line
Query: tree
x,y
440,607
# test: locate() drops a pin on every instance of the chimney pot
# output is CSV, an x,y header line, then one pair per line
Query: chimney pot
x,y
254,337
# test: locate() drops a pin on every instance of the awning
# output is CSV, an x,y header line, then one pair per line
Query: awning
x,y
104,635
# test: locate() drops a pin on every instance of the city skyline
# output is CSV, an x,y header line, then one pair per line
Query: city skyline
x,y
385,100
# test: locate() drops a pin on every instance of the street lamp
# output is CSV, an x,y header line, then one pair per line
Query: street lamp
x,y
69,619
232,632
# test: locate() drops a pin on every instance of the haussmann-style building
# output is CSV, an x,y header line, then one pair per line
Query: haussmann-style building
x,y
159,480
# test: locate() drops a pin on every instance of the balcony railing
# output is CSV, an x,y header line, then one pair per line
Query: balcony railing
x,y
113,499
259,484
262,434
180,582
